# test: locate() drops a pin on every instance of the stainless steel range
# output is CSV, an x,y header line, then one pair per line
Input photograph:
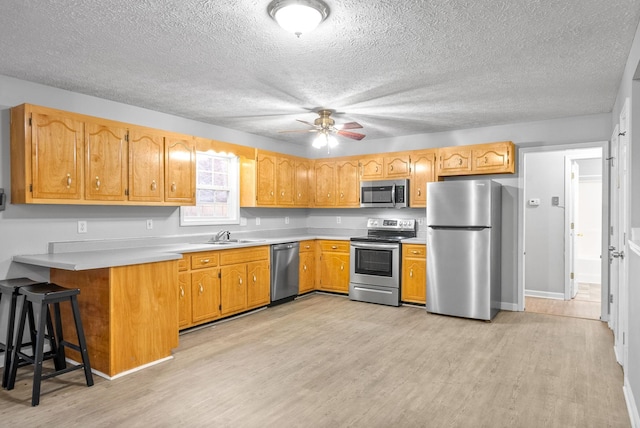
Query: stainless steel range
x,y
376,261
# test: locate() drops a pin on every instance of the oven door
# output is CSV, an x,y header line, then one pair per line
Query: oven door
x,y
375,263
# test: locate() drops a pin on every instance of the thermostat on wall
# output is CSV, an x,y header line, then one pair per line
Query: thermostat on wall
x,y
534,202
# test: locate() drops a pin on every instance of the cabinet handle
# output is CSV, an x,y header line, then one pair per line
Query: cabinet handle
x,y
341,267
328,195
304,267
254,278
419,191
240,281
97,183
486,159
415,252
181,291
173,187
333,247
411,273
391,167
376,169
271,193
154,186
204,261
68,180
282,193
460,161
299,195
341,195
307,246
201,288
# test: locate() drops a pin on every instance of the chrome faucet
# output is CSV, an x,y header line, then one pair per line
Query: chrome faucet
x,y
223,235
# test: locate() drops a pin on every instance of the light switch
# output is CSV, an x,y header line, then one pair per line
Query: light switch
x,y
3,199
555,200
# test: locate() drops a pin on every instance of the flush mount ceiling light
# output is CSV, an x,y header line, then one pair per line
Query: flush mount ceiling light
x,y
298,16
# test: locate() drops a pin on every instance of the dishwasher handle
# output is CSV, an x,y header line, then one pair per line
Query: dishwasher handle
x,y
285,246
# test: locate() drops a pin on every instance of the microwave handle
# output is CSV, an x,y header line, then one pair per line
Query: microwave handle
x,y
393,195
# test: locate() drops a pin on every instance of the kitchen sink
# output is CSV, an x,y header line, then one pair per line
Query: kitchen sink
x,y
234,241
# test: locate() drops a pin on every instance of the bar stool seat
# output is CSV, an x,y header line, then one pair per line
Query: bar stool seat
x,y
9,291
46,294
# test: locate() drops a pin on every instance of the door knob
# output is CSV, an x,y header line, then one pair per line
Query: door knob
x,y
616,254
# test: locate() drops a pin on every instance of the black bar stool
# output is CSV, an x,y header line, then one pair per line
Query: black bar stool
x,y
9,291
44,295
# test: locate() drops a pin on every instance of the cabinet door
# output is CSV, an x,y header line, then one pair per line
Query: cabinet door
x,y
307,272
325,180
180,170
372,168
184,299
233,288
106,162
205,295
493,158
56,144
266,179
302,184
285,181
258,284
454,161
146,166
334,272
397,166
414,274
423,172
348,189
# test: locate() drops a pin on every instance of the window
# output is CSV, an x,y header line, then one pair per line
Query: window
x,y
217,191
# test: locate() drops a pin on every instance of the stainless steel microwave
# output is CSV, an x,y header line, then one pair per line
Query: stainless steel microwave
x,y
384,193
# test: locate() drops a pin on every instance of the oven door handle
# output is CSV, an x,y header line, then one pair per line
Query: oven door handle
x,y
374,245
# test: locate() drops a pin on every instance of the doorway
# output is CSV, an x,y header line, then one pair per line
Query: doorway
x,y
562,225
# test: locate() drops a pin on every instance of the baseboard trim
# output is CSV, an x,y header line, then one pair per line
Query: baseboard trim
x,y
634,417
504,306
544,294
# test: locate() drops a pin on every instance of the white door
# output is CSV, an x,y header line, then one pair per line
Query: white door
x,y
573,227
614,229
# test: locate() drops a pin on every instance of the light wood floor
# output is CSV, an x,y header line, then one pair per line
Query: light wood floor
x,y
586,304
325,361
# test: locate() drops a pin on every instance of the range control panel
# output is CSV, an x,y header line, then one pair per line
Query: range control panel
x,y
391,224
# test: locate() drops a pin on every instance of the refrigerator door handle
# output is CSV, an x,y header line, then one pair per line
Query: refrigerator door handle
x,y
459,228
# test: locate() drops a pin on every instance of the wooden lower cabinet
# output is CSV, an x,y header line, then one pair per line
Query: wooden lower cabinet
x,y
129,313
307,272
414,273
334,266
223,283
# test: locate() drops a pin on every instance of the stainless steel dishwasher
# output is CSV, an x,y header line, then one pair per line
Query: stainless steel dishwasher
x,y
285,260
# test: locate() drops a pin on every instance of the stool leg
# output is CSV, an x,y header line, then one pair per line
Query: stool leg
x,y
59,359
17,345
32,325
39,356
11,324
81,341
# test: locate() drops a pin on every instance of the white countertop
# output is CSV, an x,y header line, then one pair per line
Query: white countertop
x,y
97,259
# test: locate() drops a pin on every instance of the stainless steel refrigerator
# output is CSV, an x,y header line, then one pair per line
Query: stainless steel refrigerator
x,y
463,248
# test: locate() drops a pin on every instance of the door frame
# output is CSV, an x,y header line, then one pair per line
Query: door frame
x,y
604,146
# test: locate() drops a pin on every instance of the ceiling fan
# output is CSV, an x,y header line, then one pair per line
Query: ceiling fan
x,y
324,125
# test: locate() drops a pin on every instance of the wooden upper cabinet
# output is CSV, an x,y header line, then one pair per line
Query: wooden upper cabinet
x,y
348,186
423,171
454,160
302,186
180,169
397,165
56,144
325,183
285,181
494,158
106,160
266,179
146,166
372,168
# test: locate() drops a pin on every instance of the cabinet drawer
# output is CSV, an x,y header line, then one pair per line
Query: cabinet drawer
x,y
414,250
204,260
230,257
183,264
307,246
335,246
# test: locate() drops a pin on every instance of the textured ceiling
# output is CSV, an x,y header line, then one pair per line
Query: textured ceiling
x,y
397,67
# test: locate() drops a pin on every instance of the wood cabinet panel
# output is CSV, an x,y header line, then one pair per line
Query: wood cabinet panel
x,y
285,181
258,284
348,185
146,166
307,272
205,260
180,169
184,299
414,273
233,288
334,266
205,295
372,168
325,183
454,161
266,179
106,157
303,182
244,255
423,171
397,165
494,158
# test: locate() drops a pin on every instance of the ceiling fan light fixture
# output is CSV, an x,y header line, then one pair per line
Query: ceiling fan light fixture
x,y
320,141
298,16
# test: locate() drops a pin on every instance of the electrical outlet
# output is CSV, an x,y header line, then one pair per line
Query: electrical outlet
x,y
149,224
338,220
257,221
82,226
420,221
286,220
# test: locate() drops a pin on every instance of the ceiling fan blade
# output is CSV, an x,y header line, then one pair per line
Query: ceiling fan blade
x,y
298,130
352,135
305,122
350,125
